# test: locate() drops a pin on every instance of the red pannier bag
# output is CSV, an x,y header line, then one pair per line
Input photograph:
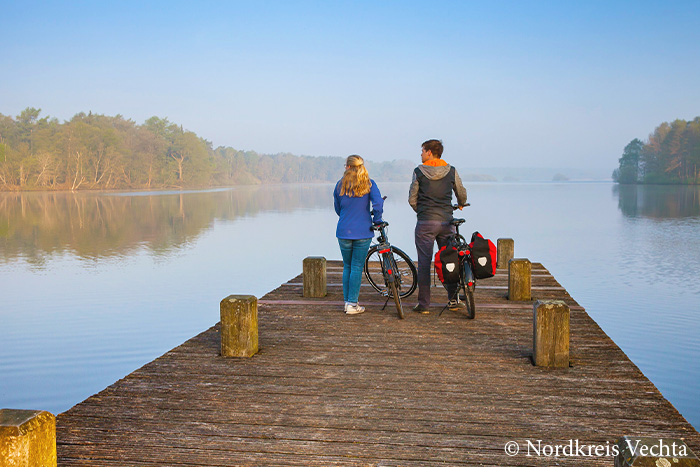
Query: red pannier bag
x,y
447,263
484,256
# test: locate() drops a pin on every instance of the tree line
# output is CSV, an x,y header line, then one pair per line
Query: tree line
x,y
671,155
92,151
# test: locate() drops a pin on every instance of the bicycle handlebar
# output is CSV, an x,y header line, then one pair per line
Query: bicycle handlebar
x,y
457,206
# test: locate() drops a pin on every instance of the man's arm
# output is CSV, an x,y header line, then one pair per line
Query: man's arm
x,y
413,193
459,190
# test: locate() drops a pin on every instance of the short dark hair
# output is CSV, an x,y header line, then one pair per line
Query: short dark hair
x,y
434,146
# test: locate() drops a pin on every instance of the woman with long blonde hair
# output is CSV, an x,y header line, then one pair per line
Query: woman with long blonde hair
x,y
352,197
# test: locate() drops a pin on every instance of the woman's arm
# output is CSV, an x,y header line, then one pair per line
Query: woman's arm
x,y
336,198
375,198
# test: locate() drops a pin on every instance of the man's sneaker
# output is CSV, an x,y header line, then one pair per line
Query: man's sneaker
x,y
455,305
421,309
351,309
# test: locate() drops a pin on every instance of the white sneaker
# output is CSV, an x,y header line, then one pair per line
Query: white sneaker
x,y
351,309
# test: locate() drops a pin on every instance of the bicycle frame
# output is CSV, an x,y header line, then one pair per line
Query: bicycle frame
x,y
391,274
467,281
390,271
466,273
388,263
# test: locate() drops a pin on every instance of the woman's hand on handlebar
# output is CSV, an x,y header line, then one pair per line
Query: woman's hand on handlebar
x,y
457,206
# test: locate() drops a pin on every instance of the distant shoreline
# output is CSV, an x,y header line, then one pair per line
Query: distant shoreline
x,y
670,183
271,184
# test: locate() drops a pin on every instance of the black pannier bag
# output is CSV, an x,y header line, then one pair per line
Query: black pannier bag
x,y
484,256
447,263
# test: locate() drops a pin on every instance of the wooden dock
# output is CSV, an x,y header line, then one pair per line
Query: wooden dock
x,y
372,390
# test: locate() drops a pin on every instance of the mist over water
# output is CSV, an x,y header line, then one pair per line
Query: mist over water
x,y
95,285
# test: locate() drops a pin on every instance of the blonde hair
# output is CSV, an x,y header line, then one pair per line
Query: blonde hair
x,y
355,182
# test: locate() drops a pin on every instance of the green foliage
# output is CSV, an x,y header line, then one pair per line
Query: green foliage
x,y
629,163
92,151
671,155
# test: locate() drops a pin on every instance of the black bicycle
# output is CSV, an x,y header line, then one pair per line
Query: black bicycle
x,y
467,282
389,270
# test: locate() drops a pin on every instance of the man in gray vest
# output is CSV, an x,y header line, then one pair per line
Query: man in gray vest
x,y
430,196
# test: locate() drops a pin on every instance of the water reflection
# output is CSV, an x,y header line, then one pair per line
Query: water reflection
x,y
120,265
658,201
36,226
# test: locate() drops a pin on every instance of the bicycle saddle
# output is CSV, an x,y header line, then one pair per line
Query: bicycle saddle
x,y
457,222
381,225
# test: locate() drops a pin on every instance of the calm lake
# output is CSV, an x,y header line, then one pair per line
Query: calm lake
x,y
94,286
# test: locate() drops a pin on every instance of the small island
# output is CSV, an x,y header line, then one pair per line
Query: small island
x,y
670,156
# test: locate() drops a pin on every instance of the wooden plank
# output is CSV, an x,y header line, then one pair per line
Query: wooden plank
x,y
328,389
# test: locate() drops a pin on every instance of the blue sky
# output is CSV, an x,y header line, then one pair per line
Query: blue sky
x,y
525,84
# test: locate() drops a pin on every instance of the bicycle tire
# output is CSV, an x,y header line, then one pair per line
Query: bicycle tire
x,y
468,296
406,268
471,308
397,299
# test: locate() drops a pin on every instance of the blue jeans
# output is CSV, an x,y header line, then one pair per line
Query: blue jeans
x,y
354,253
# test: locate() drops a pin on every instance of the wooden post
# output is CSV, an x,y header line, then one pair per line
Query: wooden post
x,y
519,281
27,438
239,326
506,249
315,276
550,333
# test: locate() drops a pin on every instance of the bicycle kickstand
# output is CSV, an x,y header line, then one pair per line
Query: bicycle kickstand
x,y
387,301
445,307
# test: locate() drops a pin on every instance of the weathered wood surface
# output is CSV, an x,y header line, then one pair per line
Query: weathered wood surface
x,y
238,326
550,333
27,438
314,276
506,251
519,279
329,389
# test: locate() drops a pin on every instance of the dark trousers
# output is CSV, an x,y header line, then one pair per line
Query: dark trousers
x,y
427,232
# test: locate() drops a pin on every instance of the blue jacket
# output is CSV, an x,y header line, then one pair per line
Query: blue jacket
x,y
355,219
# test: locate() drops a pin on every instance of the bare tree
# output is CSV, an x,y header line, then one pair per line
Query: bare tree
x,y
78,179
45,161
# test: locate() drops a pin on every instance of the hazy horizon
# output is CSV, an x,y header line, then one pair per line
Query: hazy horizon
x,y
502,84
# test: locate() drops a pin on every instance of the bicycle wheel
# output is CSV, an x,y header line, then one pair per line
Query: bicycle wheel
x,y
397,299
406,269
471,309
468,296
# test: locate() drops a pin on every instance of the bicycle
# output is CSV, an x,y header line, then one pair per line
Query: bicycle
x,y
467,281
396,276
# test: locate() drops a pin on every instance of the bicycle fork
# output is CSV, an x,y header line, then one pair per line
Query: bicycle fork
x,y
467,278
390,273
468,275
